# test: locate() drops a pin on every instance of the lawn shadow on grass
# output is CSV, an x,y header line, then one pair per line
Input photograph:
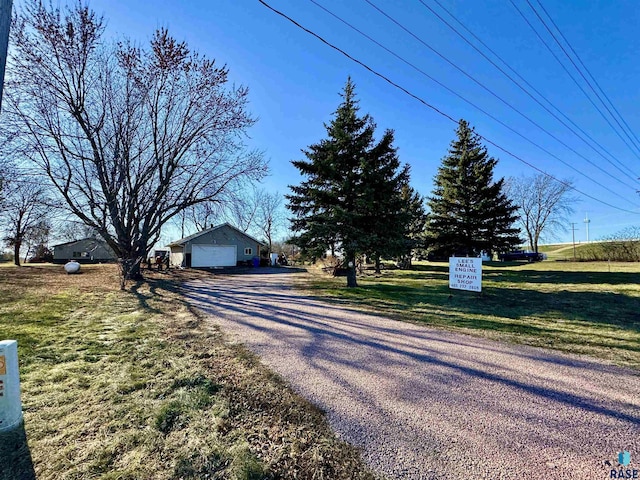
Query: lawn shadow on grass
x,y
15,455
155,285
498,272
575,278
516,311
158,285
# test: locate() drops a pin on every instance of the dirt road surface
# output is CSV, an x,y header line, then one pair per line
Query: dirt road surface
x,y
425,403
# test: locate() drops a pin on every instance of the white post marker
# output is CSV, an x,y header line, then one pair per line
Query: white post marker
x,y
10,404
465,273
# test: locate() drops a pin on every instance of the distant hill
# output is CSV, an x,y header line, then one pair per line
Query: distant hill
x,y
619,250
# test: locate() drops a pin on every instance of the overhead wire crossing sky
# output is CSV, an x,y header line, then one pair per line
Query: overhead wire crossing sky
x,y
432,107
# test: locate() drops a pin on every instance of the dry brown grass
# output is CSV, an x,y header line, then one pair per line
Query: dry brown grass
x,y
133,385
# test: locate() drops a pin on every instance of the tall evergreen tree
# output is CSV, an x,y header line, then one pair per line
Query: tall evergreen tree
x,y
470,212
384,217
350,198
414,227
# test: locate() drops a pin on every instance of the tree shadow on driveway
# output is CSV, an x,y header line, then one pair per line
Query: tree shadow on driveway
x,y
425,399
288,309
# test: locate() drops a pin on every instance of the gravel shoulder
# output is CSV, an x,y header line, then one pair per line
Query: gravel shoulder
x,y
424,403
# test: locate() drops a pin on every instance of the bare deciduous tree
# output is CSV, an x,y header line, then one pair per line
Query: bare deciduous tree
x,y
37,239
269,215
23,215
70,229
251,210
128,136
242,211
201,216
543,205
3,183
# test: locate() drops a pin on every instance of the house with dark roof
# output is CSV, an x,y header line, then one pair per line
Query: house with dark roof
x,y
218,246
85,250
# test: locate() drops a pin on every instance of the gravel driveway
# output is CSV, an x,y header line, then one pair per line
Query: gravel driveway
x,y
424,403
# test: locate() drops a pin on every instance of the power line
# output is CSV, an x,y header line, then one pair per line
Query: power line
x,y
604,104
574,80
434,108
473,79
502,100
453,92
588,72
632,175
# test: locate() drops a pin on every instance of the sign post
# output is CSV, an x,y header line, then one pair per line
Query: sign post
x,y
465,273
10,404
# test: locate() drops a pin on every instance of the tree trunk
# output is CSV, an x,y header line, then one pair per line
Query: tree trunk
x,y
129,270
532,243
377,261
404,262
351,277
135,272
16,253
534,236
351,270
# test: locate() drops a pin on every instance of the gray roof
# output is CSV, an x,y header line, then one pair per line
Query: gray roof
x,y
93,239
185,240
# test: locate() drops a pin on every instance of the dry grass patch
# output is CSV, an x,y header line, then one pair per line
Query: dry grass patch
x,y
131,385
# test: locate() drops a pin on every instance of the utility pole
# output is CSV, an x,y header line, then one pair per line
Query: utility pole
x,y
587,222
5,22
573,233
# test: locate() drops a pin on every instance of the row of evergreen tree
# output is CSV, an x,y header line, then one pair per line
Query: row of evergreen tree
x,y
356,197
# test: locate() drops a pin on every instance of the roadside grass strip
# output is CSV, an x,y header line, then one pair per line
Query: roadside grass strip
x,y
133,385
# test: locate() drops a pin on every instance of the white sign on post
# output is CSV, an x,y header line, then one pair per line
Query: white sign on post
x,y
465,273
10,404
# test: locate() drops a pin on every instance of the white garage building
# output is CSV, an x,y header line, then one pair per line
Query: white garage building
x,y
219,246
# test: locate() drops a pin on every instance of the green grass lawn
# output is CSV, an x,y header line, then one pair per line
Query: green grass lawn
x,y
134,385
574,307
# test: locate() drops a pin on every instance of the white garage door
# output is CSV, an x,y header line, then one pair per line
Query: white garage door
x,y
213,256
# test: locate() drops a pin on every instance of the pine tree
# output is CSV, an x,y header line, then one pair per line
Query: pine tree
x,y
414,227
381,204
350,198
469,211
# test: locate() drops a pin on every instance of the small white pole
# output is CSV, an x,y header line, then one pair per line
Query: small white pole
x,y
587,222
10,404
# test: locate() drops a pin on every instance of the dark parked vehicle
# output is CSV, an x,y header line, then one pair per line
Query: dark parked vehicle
x,y
517,255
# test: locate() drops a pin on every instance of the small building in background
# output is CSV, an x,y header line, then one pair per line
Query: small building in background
x,y
218,246
86,250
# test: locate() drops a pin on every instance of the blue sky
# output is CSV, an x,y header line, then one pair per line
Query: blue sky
x,y
294,82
